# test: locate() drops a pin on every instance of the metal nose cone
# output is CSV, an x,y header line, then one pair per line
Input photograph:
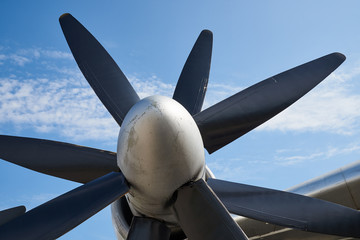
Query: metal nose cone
x,y
159,148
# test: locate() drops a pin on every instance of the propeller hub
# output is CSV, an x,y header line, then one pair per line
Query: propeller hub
x,y
159,150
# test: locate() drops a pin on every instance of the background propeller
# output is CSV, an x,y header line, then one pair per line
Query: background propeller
x,y
287,209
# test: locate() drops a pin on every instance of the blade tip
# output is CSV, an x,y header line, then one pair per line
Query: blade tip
x,y
340,56
64,15
22,208
206,32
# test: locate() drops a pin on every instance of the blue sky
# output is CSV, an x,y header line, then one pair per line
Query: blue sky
x,y
44,95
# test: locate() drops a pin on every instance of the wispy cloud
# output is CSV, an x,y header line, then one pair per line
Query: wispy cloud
x,y
22,57
37,199
18,59
41,53
61,105
330,107
224,169
292,156
151,86
2,58
56,54
236,169
30,201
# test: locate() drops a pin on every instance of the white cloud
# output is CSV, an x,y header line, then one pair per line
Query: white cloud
x,y
289,156
235,169
25,56
30,201
30,52
224,169
61,105
151,86
56,54
18,60
2,58
40,198
36,53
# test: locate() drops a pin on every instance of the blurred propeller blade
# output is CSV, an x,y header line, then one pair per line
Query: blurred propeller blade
x,y
63,160
202,216
287,209
148,229
99,69
58,216
191,86
233,117
11,213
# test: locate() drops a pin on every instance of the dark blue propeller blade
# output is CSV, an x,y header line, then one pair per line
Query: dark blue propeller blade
x,y
63,160
201,215
287,209
191,86
233,117
11,213
99,69
58,216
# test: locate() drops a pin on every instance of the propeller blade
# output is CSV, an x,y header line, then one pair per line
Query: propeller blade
x,y
287,209
9,214
233,117
191,87
58,216
148,229
99,69
63,160
201,215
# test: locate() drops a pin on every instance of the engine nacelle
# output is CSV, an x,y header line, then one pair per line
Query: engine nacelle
x,y
122,215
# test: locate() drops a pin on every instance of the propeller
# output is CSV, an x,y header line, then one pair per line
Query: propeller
x,y
200,207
